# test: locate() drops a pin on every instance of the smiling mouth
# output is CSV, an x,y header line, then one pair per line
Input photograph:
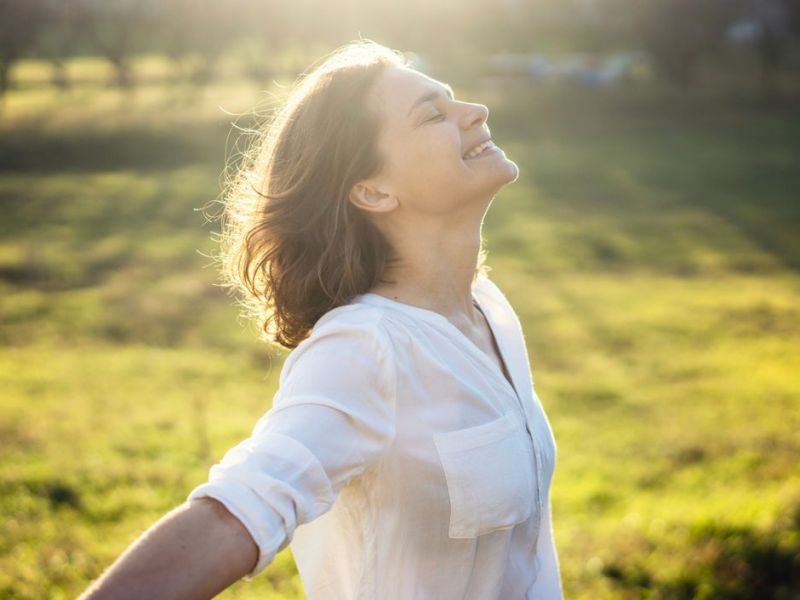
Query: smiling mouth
x,y
480,150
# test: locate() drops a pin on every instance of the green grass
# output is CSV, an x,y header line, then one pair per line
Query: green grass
x,y
650,248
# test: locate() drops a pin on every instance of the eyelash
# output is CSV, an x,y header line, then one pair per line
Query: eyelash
x,y
434,118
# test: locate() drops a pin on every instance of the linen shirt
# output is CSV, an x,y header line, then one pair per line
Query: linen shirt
x,y
399,462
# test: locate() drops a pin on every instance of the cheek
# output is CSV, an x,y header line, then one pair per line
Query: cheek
x,y
427,166
430,165
431,155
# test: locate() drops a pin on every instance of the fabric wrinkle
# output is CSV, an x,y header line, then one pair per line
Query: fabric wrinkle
x,y
399,461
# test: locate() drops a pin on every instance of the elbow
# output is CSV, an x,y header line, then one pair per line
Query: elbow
x,y
241,551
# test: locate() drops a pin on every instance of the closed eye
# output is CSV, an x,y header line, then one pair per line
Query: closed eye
x,y
439,116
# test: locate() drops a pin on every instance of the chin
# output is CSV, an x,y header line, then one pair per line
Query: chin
x,y
507,173
513,171
501,175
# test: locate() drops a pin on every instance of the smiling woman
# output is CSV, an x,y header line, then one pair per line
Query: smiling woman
x,y
406,454
306,227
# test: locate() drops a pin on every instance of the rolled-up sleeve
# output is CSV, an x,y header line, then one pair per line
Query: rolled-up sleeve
x,y
332,417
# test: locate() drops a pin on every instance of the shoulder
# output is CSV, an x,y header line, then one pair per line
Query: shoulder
x,y
352,324
356,316
342,335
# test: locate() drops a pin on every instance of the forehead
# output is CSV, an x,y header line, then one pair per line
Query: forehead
x,y
398,88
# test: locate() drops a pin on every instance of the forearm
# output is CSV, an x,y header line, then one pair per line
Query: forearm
x,y
194,551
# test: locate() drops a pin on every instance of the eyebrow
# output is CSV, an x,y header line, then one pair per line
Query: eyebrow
x,y
432,95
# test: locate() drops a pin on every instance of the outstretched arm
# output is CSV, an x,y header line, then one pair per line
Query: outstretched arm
x,y
194,551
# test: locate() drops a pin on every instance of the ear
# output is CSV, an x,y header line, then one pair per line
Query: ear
x,y
367,196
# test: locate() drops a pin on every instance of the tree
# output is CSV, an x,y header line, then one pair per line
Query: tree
x,y
116,28
196,34
775,23
63,29
21,22
677,33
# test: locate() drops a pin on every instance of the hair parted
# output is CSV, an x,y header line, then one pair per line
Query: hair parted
x,y
291,242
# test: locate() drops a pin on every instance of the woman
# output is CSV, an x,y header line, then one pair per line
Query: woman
x,y
406,454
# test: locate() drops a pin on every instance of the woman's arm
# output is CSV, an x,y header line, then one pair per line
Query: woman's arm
x,y
194,551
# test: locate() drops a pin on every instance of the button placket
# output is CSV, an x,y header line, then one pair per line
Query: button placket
x,y
534,447
508,384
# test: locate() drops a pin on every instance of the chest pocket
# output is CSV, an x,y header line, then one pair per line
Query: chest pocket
x,y
490,473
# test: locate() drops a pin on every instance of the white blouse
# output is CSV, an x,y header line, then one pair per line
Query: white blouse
x,y
399,461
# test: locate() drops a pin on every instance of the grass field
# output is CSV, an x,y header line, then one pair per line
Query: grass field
x,y
651,248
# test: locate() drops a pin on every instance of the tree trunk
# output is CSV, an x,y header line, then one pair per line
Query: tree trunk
x,y
5,65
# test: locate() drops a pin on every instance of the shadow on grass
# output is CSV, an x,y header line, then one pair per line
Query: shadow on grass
x,y
724,562
30,149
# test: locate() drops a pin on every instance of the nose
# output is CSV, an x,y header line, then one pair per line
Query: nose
x,y
475,115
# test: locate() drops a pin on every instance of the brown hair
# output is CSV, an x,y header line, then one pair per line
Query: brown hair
x,y
291,242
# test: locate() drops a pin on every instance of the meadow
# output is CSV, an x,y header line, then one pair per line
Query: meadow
x,y
651,248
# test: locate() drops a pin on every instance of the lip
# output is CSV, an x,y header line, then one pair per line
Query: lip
x,y
473,146
484,154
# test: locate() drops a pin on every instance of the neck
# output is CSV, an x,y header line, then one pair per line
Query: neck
x,y
434,272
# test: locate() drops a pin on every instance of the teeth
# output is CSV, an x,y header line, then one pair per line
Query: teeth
x,y
478,149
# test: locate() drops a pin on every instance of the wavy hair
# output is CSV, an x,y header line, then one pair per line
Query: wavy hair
x,y
291,242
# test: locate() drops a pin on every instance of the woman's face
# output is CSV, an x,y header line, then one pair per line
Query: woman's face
x,y
424,138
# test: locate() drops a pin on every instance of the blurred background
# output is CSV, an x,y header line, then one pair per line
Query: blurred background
x,y
651,248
